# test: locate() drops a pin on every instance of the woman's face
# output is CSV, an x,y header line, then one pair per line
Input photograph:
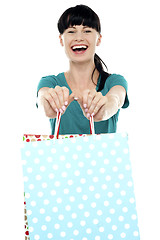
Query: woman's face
x,y
80,42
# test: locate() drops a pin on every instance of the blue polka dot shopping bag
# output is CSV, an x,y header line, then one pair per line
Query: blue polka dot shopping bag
x,y
80,188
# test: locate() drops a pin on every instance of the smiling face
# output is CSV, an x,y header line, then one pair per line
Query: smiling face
x,y
80,42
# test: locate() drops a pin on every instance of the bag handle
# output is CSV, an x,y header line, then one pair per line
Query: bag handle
x,y
57,125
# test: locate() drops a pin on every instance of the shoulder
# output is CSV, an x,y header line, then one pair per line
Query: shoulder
x,y
50,81
116,79
52,78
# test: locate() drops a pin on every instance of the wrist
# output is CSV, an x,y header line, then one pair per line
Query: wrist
x,y
114,99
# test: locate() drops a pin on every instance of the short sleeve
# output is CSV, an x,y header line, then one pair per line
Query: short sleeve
x,y
48,81
114,80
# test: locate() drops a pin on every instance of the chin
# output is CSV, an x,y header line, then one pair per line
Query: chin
x,y
81,59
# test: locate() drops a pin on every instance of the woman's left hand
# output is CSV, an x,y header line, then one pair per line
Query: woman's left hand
x,y
94,104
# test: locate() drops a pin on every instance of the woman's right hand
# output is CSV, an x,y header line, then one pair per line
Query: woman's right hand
x,y
54,99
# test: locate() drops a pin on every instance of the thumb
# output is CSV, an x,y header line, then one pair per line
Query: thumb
x,y
77,97
71,98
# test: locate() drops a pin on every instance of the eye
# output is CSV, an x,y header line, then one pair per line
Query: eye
x,y
71,30
87,31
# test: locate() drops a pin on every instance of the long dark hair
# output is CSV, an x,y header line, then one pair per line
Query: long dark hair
x,y
82,14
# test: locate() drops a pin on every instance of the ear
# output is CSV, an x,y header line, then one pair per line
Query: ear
x,y
99,40
61,40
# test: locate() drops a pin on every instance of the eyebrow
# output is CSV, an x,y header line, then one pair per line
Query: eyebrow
x,y
71,27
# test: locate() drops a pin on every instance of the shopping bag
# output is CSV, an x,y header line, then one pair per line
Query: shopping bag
x,y
80,188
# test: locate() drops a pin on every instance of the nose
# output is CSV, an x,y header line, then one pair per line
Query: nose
x,y
79,36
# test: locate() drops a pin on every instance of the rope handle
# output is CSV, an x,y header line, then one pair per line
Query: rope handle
x,y
57,125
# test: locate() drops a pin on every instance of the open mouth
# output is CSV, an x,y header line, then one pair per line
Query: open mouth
x,y
79,48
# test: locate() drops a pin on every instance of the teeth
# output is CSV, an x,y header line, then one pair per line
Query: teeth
x,y
77,47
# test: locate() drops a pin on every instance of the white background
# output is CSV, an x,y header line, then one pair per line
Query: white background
x,y
30,49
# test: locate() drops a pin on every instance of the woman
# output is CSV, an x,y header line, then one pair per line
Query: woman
x,y
96,92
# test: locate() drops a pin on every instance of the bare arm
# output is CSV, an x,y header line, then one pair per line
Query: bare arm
x,y
92,102
115,100
102,107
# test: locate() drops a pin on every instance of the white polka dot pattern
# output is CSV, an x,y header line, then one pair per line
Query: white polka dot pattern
x,y
80,189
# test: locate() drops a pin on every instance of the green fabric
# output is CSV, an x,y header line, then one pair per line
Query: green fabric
x,y
73,120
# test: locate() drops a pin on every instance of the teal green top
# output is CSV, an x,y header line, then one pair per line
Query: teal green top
x,y
73,120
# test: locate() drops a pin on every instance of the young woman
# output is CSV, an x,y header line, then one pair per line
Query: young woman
x,y
85,89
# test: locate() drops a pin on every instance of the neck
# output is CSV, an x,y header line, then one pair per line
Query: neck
x,y
79,75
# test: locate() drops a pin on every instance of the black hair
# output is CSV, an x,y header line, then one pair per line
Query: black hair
x,y
82,14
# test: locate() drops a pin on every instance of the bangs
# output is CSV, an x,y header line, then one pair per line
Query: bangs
x,y
79,15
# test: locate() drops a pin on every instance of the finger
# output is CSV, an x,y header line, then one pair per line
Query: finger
x,y
98,106
54,99
84,98
65,95
65,99
62,97
49,110
79,99
91,96
47,98
101,114
59,92
94,102
71,98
